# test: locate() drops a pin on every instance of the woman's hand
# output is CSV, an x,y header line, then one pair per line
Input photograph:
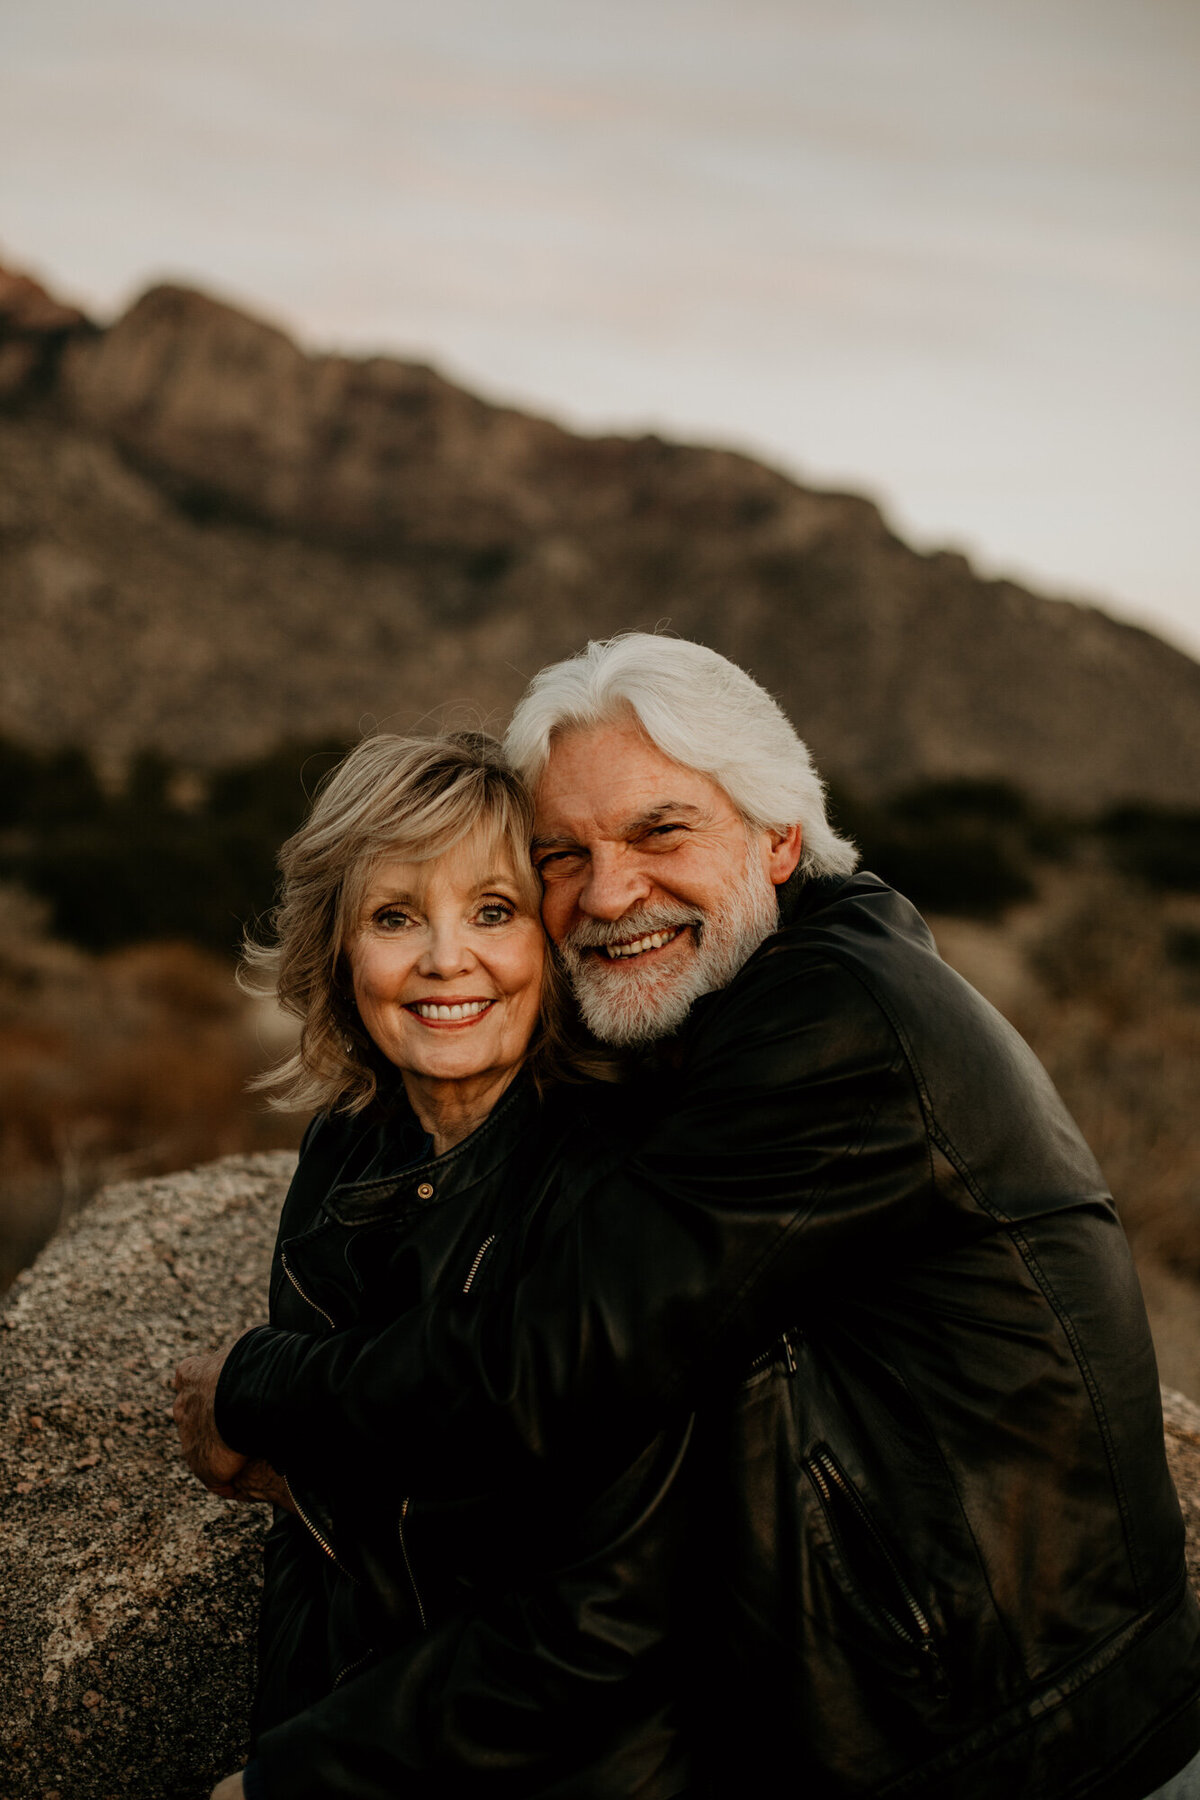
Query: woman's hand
x,y
230,1789
205,1452
259,1481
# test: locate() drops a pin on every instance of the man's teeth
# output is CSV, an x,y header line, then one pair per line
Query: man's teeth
x,y
469,1009
653,941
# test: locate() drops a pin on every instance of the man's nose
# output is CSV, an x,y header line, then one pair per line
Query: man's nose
x,y
614,883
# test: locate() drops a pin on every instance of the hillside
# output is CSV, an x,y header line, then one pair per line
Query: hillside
x,y
210,541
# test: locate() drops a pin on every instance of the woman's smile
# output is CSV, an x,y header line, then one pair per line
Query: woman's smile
x,y
454,1012
447,959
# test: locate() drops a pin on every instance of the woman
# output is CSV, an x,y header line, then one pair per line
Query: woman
x,y
406,1645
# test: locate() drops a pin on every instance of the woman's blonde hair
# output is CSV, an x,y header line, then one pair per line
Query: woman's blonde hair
x,y
414,798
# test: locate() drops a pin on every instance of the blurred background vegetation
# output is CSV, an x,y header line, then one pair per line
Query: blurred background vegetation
x,y
125,1046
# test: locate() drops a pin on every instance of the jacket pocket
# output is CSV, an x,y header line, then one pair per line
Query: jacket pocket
x,y
873,1570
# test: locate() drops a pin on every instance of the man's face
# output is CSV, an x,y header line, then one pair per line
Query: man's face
x,y
655,890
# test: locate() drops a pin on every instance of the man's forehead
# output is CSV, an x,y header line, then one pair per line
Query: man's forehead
x,y
616,780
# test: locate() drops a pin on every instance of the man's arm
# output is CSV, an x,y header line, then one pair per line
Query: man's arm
x,y
796,1140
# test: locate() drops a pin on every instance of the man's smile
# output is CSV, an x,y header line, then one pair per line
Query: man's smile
x,y
653,940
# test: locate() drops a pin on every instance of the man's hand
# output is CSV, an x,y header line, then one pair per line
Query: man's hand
x,y
259,1481
231,1788
205,1452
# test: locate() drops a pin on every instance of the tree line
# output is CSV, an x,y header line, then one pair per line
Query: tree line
x,y
172,853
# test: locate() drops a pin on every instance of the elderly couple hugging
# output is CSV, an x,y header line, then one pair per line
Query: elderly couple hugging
x,y
703,1358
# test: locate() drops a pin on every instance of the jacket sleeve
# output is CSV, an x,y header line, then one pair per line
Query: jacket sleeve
x,y
794,1141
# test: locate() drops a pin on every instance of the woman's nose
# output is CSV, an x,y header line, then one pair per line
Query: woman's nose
x,y
447,953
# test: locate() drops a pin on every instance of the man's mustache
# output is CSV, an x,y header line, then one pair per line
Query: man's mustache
x,y
594,934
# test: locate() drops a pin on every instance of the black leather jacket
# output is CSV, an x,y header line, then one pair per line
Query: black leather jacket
x,y
947,1560
502,1642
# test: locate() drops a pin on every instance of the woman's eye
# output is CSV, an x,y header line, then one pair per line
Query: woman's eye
x,y
495,913
392,919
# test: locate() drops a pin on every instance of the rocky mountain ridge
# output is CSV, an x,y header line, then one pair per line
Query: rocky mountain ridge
x,y
211,540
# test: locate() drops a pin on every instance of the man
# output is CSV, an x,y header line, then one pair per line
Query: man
x,y
862,1240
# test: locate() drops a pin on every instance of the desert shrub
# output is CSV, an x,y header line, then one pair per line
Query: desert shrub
x,y
960,847
1158,845
131,1063
1183,947
160,858
1116,1023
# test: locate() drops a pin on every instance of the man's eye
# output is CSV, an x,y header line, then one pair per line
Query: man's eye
x,y
665,831
558,862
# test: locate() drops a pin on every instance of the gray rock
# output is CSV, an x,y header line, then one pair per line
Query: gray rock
x,y
127,1594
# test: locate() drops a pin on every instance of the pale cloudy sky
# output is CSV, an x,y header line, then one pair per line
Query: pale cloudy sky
x,y
944,251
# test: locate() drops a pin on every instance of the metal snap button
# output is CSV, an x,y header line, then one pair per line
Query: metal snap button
x,y
425,1191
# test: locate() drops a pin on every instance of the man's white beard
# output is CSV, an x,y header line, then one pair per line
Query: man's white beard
x,y
638,1000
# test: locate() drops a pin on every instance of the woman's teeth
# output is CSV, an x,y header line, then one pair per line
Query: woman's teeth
x,y
653,941
468,1009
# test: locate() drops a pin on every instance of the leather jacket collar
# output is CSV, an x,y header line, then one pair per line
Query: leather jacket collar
x,y
428,1182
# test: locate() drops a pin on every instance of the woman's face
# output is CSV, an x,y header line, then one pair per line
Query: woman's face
x,y
446,959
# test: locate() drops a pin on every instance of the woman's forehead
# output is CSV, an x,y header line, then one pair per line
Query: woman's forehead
x,y
476,861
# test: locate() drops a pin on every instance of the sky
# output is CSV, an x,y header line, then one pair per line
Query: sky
x,y
946,254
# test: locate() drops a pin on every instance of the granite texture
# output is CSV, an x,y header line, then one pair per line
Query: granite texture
x,y
127,1594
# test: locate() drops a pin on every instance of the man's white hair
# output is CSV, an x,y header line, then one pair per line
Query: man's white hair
x,y
702,711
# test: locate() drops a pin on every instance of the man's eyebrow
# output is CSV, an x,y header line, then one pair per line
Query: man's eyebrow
x,y
656,814
653,815
552,843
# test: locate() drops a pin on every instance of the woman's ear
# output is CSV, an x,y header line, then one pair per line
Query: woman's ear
x,y
784,849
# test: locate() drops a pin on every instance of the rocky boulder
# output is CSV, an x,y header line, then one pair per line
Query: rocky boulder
x,y
127,1594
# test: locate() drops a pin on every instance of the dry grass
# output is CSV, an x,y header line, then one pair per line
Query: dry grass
x,y
111,1066
1088,976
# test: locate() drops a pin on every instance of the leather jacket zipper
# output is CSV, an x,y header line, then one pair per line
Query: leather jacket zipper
x,y
320,1537
769,1358
350,1668
917,1634
475,1266
307,1298
408,1565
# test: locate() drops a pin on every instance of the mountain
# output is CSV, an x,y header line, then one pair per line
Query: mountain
x,y
211,540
